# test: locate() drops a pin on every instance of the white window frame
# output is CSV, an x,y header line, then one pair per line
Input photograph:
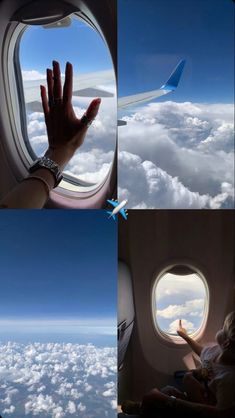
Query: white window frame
x,y
69,194
176,339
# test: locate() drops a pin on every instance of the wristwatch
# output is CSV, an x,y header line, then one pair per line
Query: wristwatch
x,y
45,162
171,401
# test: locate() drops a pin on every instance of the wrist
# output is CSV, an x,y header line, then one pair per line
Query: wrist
x,y
171,401
46,163
60,155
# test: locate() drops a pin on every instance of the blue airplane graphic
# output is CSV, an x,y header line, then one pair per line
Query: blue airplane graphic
x,y
118,208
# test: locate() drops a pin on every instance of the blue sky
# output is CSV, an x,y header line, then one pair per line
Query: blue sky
x,y
78,43
58,265
154,35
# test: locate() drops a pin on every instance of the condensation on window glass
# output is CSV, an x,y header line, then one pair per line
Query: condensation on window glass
x,y
180,297
94,76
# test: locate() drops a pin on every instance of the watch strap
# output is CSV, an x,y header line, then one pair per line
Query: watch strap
x,y
45,162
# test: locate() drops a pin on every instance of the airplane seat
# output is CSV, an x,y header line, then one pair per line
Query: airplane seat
x,y
126,313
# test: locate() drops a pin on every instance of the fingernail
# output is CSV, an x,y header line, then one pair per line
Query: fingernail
x,y
97,101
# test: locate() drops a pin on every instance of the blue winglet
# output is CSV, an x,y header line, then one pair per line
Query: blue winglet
x,y
174,78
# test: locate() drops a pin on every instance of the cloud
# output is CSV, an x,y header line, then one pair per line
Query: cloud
x,y
9,410
147,186
93,160
91,166
57,379
71,408
157,189
191,307
101,326
29,75
190,144
189,326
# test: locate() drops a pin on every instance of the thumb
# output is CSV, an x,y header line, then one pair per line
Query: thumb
x,y
93,109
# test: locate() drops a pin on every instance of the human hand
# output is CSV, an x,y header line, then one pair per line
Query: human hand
x,y
65,131
182,332
154,399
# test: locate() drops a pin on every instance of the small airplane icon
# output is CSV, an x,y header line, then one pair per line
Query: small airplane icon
x,y
118,208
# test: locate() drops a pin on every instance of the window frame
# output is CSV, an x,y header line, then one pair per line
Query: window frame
x,y
69,194
175,339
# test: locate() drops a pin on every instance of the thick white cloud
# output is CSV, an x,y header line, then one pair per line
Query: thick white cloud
x,y
93,160
189,326
57,380
192,144
191,307
91,166
147,186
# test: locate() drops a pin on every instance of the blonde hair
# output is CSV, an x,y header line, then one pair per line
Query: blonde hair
x,y
229,326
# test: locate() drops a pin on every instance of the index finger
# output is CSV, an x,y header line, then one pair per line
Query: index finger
x,y
68,84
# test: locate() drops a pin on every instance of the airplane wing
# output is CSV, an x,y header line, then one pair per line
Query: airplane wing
x,y
113,203
84,85
123,213
168,87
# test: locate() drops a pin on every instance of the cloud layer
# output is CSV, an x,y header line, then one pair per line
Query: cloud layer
x,y
93,160
182,155
57,380
190,307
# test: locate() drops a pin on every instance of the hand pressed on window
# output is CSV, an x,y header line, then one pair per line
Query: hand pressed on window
x,y
65,131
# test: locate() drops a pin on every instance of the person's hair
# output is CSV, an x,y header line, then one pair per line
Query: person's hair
x,y
229,327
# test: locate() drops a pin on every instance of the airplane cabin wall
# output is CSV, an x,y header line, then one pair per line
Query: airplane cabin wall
x,y
149,242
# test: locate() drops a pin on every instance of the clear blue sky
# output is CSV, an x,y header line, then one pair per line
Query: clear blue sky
x,y
57,264
78,43
153,35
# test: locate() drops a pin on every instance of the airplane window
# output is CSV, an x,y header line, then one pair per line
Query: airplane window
x,y
94,76
178,296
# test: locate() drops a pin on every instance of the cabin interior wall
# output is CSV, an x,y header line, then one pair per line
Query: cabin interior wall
x,y
147,243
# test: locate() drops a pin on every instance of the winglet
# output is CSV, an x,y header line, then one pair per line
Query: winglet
x,y
174,78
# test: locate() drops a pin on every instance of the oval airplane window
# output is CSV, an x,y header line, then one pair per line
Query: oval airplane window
x,y
94,76
180,293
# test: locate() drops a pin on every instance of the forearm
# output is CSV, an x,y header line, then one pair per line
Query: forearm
x,y
196,347
31,193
